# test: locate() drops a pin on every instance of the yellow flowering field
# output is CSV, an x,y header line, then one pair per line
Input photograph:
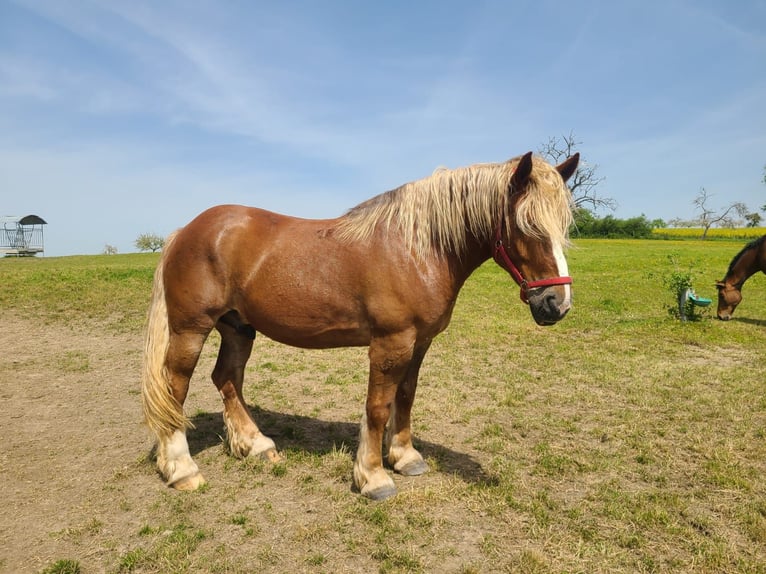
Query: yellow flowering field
x,y
745,233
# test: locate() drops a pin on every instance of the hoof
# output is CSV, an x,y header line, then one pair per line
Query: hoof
x,y
380,493
192,482
413,468
271,455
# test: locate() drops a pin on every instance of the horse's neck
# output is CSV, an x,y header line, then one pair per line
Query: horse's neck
x,y
462,266
748,264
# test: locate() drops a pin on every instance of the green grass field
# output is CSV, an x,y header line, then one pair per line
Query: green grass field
x,y
620,440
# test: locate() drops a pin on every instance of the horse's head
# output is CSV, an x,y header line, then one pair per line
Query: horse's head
x,y
530,246
729,296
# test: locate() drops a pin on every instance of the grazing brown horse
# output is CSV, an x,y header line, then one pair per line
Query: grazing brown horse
x,y
384,275
747,262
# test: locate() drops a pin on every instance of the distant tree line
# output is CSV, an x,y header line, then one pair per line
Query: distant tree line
x,y
588,225
586,180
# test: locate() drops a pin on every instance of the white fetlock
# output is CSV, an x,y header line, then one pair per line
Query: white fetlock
x,y
372,481
407,461
376,485
243,445
265,448
176,464
188,482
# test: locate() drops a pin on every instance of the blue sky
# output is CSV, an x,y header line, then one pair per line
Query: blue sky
x,y
119,118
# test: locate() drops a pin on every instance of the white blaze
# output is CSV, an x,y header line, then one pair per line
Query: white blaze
x,y
561,263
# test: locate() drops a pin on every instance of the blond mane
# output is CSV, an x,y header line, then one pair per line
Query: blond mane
x,y
438,213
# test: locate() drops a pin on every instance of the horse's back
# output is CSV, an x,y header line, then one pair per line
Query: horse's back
x,y
288,277
221,225
231,238
297,282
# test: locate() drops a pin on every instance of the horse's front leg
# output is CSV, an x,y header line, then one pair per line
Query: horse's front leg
x,y
402,456
389,361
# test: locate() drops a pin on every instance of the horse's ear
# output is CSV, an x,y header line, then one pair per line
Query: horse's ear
x,y
567,168
522,171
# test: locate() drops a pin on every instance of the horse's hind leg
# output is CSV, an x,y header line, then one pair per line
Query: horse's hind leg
x,y
173,457
244,438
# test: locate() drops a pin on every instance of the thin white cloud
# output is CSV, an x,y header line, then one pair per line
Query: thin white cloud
x,y
20,78
310,110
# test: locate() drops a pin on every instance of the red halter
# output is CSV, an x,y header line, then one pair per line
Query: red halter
x,y
501,257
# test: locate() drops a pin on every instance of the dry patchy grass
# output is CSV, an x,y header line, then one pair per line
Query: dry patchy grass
x,y
617,441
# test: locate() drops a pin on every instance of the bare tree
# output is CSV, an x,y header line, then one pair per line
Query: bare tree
x,y
763,207
709,217
584,181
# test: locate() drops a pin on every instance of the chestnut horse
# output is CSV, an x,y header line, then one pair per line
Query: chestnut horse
x,y
750,260
384,275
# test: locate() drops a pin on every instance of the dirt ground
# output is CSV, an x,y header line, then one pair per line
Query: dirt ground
x,y
70,424
79,483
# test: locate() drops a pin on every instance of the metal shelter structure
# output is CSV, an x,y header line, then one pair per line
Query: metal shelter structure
x,y
22,236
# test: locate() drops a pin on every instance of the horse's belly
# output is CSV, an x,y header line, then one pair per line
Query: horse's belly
x,y
327,340
314,326
314,336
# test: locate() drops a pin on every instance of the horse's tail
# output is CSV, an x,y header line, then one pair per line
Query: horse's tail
x,y
162,412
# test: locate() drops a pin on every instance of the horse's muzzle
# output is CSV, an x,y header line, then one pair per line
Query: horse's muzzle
x,y
548,305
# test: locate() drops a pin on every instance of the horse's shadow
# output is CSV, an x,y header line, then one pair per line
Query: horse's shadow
x,y
316,436
749,321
